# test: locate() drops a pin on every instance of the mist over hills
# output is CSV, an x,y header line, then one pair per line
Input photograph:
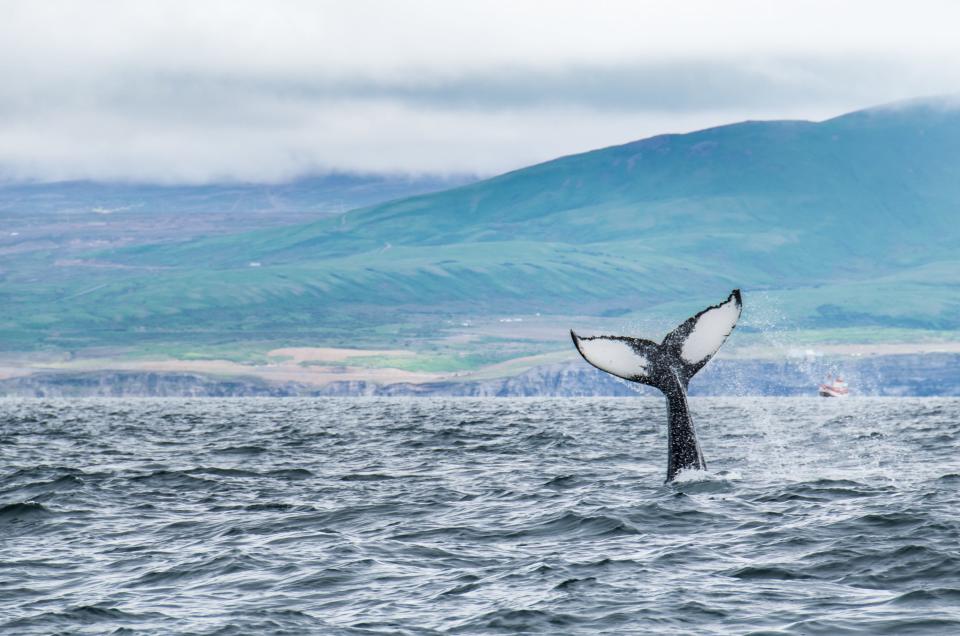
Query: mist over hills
x,y
310,196
842,223
72,218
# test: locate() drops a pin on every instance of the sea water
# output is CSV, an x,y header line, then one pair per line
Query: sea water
x,y
498,516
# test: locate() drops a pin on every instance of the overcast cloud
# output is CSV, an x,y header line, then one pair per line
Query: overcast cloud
x,y
264,91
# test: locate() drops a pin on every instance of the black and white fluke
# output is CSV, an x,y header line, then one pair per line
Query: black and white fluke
x,y
669,366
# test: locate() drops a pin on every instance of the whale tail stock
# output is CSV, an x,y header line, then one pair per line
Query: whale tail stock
x,y
669,366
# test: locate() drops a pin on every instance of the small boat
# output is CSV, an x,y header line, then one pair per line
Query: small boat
x,y
837,388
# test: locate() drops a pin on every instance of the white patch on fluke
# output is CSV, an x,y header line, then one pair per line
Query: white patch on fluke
x,y
613,356
710,332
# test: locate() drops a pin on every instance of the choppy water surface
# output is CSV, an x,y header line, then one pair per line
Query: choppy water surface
x,y
477,517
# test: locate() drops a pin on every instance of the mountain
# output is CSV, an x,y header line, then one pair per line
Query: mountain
x,y
70,218
47,230
308,196
849,222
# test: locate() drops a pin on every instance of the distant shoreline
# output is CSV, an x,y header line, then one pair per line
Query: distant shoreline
x,y
321,366
927,372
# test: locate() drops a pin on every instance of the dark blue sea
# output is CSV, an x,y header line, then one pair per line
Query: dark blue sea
x,y
463,516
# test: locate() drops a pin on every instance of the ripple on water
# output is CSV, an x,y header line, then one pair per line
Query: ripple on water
x,y
380,516
24,511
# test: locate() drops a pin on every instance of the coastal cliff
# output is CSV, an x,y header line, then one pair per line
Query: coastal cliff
x,y
891,375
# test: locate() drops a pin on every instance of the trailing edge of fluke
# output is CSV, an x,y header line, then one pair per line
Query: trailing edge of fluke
x,y
669,366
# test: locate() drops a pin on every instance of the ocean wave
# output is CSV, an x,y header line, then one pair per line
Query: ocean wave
x,y
24,511
477,517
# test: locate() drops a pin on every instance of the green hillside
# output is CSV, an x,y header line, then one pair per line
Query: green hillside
x,y
851,222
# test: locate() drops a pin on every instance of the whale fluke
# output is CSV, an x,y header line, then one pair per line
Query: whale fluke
x,y
669,366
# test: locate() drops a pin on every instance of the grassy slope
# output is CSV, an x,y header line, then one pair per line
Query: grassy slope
x,y
850,222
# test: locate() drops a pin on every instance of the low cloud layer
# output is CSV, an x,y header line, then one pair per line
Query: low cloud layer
x,y
195,92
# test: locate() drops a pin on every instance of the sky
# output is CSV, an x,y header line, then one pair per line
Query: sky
x,y
206,91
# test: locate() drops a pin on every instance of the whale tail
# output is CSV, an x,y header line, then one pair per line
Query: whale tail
x,y
669,366
681,354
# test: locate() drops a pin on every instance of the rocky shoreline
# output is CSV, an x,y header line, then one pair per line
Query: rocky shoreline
x,y
893,375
